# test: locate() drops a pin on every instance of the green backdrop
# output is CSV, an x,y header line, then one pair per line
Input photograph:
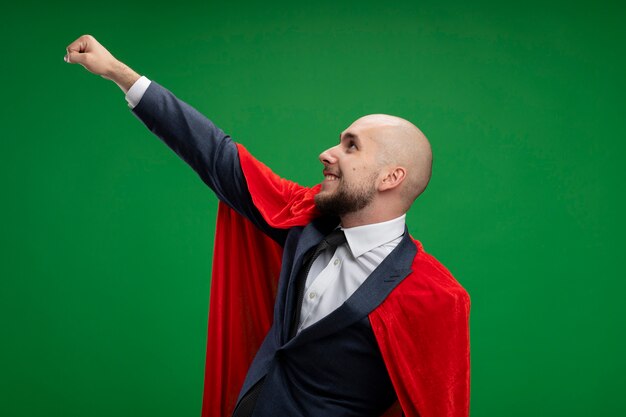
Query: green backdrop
x,y
106,240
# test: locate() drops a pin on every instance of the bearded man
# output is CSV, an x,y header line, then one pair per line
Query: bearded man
x,y
362,317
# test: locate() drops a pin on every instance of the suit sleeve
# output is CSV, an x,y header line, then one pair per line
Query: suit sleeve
x,y
205,148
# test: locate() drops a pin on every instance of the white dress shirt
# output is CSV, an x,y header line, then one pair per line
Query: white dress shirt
x,y
333,277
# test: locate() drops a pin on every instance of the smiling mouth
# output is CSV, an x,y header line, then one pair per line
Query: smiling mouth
x,y
329,175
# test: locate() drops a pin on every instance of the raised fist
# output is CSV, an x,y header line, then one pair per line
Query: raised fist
x,y
88,52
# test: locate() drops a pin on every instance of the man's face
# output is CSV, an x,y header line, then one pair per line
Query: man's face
x,y
351,172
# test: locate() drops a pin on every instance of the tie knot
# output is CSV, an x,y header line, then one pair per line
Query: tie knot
x,y
331,241
336,238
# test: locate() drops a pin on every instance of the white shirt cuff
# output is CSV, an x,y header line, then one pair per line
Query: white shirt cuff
x,y
136,91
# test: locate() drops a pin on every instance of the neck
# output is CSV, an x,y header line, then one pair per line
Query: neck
x,y
368,215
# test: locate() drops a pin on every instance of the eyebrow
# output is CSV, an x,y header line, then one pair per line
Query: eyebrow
x,y
349,135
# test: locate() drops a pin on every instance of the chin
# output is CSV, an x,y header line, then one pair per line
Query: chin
x,y
322,195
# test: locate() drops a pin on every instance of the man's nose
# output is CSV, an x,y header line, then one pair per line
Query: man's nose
x,y
328,157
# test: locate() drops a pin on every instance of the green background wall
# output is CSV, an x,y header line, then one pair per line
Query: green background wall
x,y
106,240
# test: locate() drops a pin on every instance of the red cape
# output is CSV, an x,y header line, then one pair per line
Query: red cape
x,y
422,327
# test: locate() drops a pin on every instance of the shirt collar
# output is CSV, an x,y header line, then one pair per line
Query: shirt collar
x,y
362,239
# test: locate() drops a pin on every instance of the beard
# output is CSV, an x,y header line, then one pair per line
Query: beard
x,y
346,198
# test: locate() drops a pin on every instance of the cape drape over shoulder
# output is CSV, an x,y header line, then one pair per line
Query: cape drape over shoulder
x,y
422,327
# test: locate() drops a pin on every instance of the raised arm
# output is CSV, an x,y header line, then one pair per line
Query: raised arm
x,y
205,147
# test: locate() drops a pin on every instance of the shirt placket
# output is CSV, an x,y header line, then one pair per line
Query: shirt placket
x,y
313,296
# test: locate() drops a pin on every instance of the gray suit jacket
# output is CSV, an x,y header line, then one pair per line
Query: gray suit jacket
x,y
333,367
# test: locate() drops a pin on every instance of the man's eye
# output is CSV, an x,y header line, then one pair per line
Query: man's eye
x,y
351,145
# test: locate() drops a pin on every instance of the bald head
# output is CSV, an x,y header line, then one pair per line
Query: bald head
x,y
402,144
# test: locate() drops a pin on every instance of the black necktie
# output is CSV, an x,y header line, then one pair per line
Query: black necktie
x,y
334,239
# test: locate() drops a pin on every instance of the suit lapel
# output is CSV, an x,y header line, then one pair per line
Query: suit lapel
x,y
368,296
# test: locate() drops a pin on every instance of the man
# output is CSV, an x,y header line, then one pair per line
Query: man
x,y
363,316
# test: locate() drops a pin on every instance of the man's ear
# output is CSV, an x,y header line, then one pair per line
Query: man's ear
x,y
394,178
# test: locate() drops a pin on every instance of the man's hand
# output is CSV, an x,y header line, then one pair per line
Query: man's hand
x,y
88,52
